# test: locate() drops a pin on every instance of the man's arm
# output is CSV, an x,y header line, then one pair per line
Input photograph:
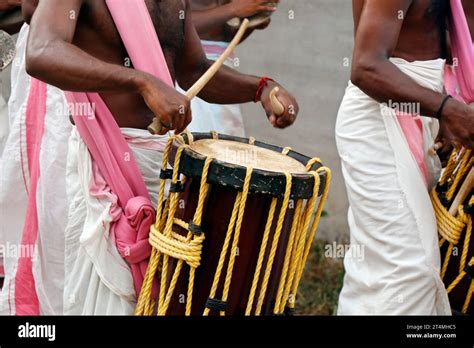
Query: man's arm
x,y
228,86
376,40
51,57
207,20
6,5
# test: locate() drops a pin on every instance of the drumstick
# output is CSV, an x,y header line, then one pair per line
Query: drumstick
x,y
277,107
156,126
466,188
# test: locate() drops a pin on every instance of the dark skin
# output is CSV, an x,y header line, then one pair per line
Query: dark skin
x,y
7,5
10,6
79,49
381,34
210,17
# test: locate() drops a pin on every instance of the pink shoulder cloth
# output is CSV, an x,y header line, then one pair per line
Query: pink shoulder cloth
x,y
107,145
459,79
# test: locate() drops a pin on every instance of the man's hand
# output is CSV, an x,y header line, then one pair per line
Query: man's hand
x,y
457,125
171,107
6,5
286,99
249,8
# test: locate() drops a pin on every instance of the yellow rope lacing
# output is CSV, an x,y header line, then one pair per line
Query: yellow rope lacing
x,y
453,229
188,249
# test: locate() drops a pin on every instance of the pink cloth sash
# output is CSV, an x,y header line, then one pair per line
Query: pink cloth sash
x,y
26,297
459,79
412,128
107,145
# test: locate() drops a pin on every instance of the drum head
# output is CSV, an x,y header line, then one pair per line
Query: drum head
x,y
246,155
233,156
7,50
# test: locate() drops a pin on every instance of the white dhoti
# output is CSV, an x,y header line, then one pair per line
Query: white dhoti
x,y
51,201
4,124
390,217
98,280
224,119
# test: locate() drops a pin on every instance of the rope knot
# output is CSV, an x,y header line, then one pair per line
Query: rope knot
x,y
178,246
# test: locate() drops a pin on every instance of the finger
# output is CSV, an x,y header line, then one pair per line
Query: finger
x,y
266,8
166,121
270,115
187,118
285,120
163,130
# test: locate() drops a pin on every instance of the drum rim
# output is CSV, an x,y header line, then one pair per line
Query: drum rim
x,y
230,175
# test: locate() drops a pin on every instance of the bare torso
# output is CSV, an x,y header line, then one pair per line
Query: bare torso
x,y
420,36
96,34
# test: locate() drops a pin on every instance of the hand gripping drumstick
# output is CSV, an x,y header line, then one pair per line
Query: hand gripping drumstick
x,y
156,127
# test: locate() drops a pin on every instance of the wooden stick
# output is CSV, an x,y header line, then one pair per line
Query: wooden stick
x,y
277,107
466,188
156,126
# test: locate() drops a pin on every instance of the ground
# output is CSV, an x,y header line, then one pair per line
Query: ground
x,y
321,283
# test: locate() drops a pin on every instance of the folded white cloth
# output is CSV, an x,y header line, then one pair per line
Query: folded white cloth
x,y
98,281
48,253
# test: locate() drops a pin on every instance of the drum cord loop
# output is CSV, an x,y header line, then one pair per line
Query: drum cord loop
x,y
166,242
457,228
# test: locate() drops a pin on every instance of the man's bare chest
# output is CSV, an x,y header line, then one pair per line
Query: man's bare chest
x,y
168,18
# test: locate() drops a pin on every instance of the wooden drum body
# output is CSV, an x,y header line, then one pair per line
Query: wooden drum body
x,y
254,230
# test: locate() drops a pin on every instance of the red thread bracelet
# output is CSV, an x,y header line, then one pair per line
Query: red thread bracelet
x,y
262,84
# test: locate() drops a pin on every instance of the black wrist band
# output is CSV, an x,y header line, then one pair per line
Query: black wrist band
x,y
441,108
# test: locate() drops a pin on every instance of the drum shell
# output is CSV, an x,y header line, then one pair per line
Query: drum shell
x,y
216,217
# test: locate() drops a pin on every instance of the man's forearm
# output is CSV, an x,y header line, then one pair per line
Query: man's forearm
x,y
69,68
228,86
384,82
208,20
